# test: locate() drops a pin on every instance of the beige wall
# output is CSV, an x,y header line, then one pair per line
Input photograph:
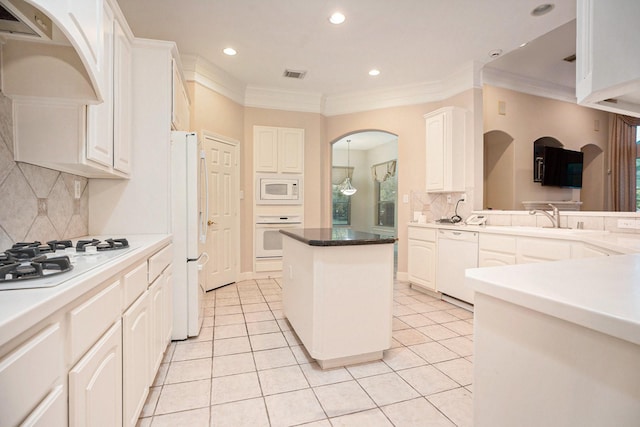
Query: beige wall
x,y
530,117
408,123
216,113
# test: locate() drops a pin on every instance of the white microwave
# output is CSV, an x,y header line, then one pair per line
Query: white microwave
x,y
277,189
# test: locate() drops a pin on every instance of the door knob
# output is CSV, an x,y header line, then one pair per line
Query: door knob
x,y
211,222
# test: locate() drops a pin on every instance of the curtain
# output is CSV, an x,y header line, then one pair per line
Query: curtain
x,y
339,173
622,163
383,171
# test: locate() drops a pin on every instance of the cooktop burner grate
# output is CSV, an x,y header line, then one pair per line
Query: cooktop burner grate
x,y
106,245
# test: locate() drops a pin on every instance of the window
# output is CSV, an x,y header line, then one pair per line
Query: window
x,y
341,206
386,195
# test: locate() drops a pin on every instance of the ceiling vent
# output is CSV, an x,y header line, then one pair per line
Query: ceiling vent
x,y
570,58
293,74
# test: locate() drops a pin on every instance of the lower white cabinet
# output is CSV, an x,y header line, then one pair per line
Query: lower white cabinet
x,y
95,383
422,258
495,250
34,374
136,357
531,249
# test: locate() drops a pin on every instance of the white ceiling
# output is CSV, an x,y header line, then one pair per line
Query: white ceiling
x,y
410,41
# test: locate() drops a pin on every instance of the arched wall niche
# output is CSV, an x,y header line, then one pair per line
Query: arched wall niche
x,y
499,158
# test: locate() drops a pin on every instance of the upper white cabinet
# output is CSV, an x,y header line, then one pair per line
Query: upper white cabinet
x,y
180,115
445,139
279,150
608,60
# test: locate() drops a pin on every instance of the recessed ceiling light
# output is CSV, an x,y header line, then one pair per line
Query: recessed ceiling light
x,y
543,9
229,51
523,44
495,53
374,72
337,18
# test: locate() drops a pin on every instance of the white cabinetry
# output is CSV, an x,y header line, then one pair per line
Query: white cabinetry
x,y
180,100
95,383
495,250
532,249
31,376
136,357
100,116
279,150
445,139
608,64
422,257
65,134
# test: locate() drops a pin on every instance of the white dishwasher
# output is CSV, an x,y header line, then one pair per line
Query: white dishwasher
x,y
457,250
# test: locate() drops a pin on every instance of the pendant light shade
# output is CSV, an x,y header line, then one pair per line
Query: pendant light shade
x,y
346,188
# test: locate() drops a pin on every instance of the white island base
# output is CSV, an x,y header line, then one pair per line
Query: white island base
x,y
557,344
339,300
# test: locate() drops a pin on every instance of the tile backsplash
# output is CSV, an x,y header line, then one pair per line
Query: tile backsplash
x,y
36,203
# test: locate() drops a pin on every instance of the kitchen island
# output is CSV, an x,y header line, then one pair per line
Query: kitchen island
x,y
557,344
337,293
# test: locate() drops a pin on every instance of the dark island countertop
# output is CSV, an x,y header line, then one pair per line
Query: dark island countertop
x,y
335,237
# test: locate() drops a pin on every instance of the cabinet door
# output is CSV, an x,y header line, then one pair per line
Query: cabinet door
x,y
291,150
180,110
265,148
494,259
100,116
95,383
168,306
136,323
156,301
422,264
435,152
29,373
122,126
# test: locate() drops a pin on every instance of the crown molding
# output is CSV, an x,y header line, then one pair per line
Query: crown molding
x,y
518,83
278,99
206,74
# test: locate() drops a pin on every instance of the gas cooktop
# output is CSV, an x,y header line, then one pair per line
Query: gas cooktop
x,y
29,265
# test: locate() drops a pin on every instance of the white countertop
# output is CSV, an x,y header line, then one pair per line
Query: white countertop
x,y
21,309
600,293
625,243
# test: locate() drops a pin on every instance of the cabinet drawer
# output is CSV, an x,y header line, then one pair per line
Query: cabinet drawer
x,y
29,373
497,243
419,233
89,320
544,249
159,261
134,284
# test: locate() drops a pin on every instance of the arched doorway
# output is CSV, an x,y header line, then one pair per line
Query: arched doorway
x,y
369,160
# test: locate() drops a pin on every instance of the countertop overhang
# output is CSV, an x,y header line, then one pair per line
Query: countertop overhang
x,y
601,293
335,237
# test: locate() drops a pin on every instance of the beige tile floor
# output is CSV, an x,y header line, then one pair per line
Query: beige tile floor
x,y
248,368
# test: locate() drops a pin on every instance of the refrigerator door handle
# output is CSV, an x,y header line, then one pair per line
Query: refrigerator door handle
x,y
203,259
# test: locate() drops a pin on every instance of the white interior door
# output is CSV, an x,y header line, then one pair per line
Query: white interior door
x,y
224,204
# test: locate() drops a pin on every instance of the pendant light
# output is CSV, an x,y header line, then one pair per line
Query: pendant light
x,y
346,188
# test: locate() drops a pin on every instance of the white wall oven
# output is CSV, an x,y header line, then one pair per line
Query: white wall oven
x,y
268,237
277,189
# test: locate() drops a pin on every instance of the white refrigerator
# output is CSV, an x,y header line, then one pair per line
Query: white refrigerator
x,y
189,204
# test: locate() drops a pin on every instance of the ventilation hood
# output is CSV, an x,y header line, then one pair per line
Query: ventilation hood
x,y
21,19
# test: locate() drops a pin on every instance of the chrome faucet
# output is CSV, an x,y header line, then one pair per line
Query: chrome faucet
x,y
555,218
